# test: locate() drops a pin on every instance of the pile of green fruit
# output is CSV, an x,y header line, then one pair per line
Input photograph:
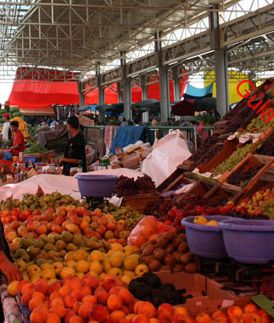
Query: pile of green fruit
x,y
35,148
53,247
32,202
233,160
129,214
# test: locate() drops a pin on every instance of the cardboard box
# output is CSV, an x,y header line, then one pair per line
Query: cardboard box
x,y
208,295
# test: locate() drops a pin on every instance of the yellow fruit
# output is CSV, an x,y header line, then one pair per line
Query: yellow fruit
x,y
103,275
117,246
107,265
116,259
48,274
129,250
57,267
80,254
200,220
141,269
131,262
71,263
128,273
212,223
82,266
125,279
69,256
80,275
96,267
115,272
46,266
12,288
92,273
67,271
33,269
21,264
96,255
36,277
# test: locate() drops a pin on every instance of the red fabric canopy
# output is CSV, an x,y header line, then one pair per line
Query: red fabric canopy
x,y
30,94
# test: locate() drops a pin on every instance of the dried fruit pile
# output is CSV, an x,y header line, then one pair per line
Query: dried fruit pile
x,y
126,186
243,175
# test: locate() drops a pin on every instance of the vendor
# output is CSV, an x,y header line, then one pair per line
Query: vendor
x,y
6,131
18,142
75,151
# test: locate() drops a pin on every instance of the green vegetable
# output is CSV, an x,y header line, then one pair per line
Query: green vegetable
x,y
35,148
233,160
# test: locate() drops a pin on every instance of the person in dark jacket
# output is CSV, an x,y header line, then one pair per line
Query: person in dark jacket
x,y
75,153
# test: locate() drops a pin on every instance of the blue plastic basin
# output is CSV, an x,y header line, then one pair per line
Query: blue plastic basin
x,y
203,240
249,241
96,185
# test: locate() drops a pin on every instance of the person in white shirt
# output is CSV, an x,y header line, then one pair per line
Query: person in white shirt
x,y
6,128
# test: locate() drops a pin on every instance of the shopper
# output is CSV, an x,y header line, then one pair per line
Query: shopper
x,y
18,142
75,151
6,132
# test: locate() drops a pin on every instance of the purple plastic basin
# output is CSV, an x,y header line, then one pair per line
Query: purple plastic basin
x,y
96,185
203,240
249,241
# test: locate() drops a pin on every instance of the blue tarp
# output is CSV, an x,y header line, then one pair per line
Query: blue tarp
x,y
127,135
199,92
88,108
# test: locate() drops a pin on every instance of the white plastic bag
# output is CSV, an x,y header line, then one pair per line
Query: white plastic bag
x,y
169,152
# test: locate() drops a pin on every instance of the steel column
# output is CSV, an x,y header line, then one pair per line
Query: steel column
x,y
216,43
144,87
126,87
164,81
176,84
101,90
81,93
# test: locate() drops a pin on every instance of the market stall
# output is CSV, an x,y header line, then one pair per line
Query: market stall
x,y
185,244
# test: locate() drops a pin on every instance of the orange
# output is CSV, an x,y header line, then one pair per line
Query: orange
x,y
63,291
69,301
53,318
89,299
250,308
125,295
117,315
114,302
76,319
84,310
59,310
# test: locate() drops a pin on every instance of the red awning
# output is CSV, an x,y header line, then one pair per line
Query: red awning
x,y
29,94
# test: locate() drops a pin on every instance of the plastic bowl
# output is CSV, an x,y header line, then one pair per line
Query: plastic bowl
x,y
203,240
249,241
96,185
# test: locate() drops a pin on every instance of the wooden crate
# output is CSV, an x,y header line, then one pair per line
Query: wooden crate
x,y
140,201
265,162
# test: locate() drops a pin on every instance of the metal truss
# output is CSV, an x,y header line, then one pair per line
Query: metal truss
x,y
246,39
80,35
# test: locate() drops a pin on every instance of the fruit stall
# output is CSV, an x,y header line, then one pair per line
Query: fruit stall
x,y
197,248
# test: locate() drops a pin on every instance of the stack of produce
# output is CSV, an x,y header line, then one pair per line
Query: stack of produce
x,y
168,251
35,148
126,186
32,202
129,214
243,175
76,220
89,299
148,287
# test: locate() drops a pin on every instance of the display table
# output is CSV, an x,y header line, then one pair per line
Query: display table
x,y
47,157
